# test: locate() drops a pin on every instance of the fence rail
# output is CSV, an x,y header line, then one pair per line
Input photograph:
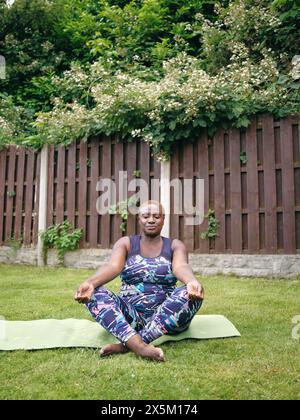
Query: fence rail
x,y
251,179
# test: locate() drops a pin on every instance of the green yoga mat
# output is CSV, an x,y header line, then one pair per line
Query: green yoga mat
x,y
53,333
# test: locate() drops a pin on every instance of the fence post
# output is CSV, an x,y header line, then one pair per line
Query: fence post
x,y
42,225
165,195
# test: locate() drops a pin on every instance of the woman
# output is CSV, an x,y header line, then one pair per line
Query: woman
x,y
149,305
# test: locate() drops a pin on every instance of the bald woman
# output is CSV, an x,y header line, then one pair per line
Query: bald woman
x,y
149,304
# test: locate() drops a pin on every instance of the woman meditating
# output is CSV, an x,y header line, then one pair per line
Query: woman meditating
x,y
149,305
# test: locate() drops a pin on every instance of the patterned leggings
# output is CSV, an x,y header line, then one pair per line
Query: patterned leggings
x,y
151,315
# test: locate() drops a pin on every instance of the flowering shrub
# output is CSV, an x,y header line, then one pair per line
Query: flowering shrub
x,y
245,23
237,75
14,126
186,99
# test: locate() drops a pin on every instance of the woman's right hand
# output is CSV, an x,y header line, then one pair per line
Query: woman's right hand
x,y
84,292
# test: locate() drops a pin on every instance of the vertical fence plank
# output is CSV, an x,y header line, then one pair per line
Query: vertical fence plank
x,y
36,199
29,197
235,191
156,189
138,166
60,184
71,182
157,171
20,184
131,167
144,161
145,168
219,186
176,198
82,192
93,235
196,195
188,172
10,191
50,186
288,188
204,174
3,155
252,188
118,157
105,219
270,183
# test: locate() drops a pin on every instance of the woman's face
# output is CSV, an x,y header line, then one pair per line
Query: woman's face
x,y
151,220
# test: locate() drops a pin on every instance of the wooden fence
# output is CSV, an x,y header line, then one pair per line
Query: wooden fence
x,y
19,195
251,179
73,176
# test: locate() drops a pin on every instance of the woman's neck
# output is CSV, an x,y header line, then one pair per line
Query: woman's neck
x,y
150,239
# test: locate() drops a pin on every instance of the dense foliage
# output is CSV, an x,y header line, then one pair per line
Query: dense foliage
x,y
159,70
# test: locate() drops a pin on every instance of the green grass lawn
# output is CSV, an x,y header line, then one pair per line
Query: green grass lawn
x,y
263,364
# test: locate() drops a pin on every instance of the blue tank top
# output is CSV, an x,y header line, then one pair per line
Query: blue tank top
x,y
141,271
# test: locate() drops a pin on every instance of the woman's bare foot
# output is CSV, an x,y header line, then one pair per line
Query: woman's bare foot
x,y
113,349
137,345
152,352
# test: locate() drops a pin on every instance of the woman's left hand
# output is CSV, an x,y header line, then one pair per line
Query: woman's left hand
x,y
195,290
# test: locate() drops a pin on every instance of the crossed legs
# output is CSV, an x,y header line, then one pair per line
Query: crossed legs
x,y
122,320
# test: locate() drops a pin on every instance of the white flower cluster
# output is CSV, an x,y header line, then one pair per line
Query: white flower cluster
x,y
240,13
6,130
10,120
243,19
162,156
77,79
136,133
64,123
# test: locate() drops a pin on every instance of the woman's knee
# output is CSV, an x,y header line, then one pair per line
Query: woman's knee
x,y
181,292
101,293
101,296
197,305
186,314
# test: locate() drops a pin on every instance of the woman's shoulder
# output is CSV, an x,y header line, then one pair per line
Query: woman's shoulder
x,y
176,243
124,242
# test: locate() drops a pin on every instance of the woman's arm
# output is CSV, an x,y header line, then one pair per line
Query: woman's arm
x,y
183,272
107,272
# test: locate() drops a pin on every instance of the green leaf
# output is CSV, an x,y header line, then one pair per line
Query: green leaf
x,y
172,125
199,123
